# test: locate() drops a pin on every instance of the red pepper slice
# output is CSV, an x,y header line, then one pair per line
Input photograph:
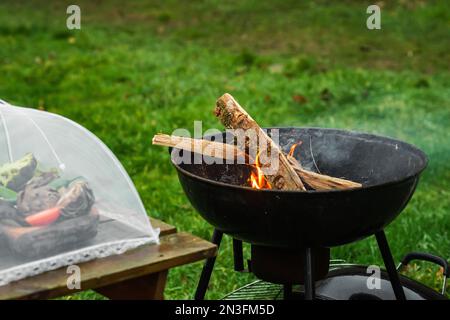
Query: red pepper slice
x,y
44,217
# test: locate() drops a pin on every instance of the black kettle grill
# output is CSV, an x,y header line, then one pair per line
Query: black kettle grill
x,y
291,231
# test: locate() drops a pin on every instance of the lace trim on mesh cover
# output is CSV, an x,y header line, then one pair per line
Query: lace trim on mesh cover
x,y
73,257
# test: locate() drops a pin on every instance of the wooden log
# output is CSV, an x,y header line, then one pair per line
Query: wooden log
x,y
315,180
202,146
233,116
319,181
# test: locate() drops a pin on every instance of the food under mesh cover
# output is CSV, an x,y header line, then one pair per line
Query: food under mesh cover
x,y
64,197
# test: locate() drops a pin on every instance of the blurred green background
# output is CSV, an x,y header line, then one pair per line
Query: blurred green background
x,y
141,67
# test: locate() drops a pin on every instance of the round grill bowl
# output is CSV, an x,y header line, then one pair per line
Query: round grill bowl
x,y
389,170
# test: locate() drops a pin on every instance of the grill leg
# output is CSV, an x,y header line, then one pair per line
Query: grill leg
x,y
390,266
208,268
287,291
238,255
309,275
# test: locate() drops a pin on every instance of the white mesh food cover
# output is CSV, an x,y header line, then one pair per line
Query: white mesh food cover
x,y
64,196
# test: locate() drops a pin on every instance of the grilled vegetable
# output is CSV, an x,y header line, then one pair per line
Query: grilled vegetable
x,y
76,200
16,174
8,194
36,242
62,183
44,218
38,195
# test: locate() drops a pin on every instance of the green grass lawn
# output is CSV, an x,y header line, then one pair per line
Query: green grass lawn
x,y
141,67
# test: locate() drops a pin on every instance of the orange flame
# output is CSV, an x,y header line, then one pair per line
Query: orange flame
x,y
257,179
295,145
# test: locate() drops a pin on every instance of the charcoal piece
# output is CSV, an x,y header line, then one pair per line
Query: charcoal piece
x,y
38,195
33,242
16,174
76,200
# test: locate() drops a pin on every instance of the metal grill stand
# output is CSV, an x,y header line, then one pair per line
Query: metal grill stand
x,y
309,284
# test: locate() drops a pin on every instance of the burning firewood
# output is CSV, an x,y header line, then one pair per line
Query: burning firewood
x,y
290,174
233,116
319,181
315,180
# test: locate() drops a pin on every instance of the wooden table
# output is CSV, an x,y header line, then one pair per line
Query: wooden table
x,y
137,274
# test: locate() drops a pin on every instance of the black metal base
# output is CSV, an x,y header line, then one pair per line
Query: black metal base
x,y
309,284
